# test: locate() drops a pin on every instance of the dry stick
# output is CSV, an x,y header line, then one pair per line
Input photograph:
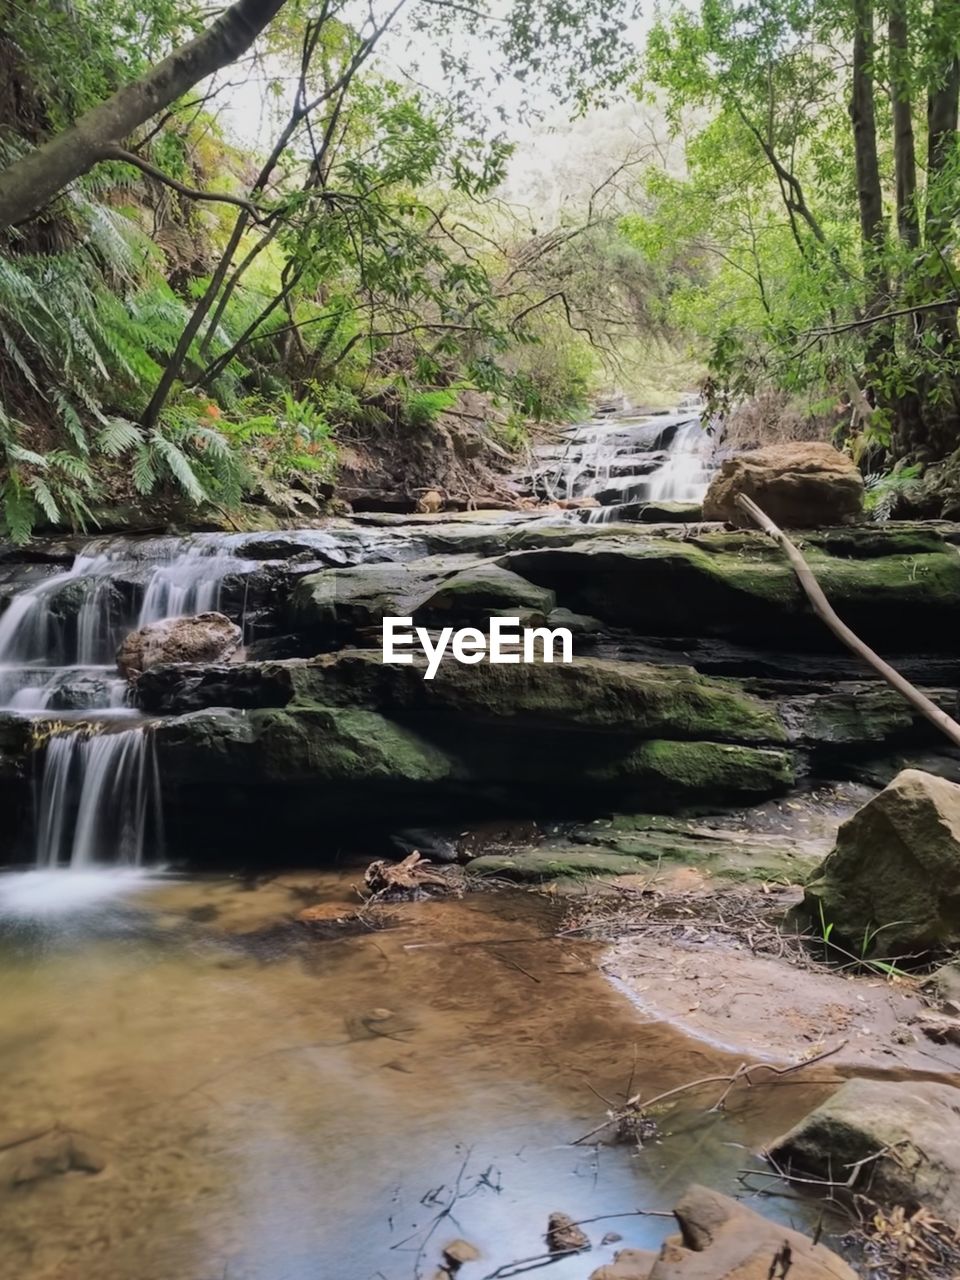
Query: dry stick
x,y
822,608
743,1072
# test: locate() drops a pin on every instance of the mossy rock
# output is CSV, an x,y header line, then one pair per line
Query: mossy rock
x,y
482,590
320,744
589,695
891,886
682,772
547,863
738,586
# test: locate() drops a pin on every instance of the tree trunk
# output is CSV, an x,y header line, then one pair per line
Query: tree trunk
x,y
28,184
869,190
940,325
904,149
943,100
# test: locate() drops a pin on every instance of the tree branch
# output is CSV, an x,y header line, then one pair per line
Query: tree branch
x,y
191,193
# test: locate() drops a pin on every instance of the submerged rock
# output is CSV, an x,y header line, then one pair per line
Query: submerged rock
x,y
892,883
49,1155
906,1134
800,485
205,637
721,1239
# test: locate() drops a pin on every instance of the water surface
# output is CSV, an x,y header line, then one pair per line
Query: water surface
x,y
274,1103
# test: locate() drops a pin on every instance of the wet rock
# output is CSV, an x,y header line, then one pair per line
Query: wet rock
x,y
628,1264
457,1252
51,1155
482,590
205,637
339,603
431,844
564,1236
721,1239
578,624
892,883
907,1134
801,485
738,587
861,714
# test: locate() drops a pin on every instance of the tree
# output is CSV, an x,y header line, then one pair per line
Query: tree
x,y
37,177
861,301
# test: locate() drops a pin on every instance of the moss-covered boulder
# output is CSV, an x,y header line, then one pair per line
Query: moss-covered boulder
x,y
900,591
892,883
680,773
483,590
588,695
332,745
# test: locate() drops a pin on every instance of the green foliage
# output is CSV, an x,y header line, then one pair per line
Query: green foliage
x,y
884,488
780,274
423,408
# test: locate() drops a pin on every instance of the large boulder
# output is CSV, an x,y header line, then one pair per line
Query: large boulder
x,y
907,1134
205,637
802,485
892,883
721,1239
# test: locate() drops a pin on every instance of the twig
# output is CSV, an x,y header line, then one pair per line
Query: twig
x,y
743,1072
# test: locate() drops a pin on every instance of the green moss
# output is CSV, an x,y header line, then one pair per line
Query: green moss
x,y
485,589
696,771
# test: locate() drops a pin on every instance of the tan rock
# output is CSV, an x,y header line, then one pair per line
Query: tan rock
x,y
628,1264
892,883
800,486
205,637
721,1239
907,1133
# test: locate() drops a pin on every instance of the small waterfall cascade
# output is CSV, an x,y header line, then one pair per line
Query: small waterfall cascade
x,y
627,463
59,637
96,794
98,799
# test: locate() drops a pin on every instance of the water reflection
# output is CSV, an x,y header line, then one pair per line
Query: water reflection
x,y
269,1106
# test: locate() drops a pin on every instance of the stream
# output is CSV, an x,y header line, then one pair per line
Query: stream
x,y
199,1087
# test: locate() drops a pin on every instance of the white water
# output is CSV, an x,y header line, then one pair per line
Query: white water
x,y
97,795
98,800
625,462
685,475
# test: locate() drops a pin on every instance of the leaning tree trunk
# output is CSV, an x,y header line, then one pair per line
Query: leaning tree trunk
x,y
869,190
28,184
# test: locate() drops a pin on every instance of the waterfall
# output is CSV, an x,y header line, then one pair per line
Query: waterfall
x,y
96,793
98,800
686,472
625,463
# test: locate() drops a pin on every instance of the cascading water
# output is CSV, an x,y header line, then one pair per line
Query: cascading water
x,y
97,797
624,464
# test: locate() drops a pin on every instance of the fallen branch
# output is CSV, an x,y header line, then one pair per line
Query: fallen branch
x,y
635,1106
824,611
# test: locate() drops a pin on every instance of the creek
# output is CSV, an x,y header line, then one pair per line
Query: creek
x,y
240,1096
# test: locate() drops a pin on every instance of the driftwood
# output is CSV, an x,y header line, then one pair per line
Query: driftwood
x,y
824,611
403,877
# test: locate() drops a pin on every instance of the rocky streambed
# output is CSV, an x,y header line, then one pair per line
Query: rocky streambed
x,y
662,797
